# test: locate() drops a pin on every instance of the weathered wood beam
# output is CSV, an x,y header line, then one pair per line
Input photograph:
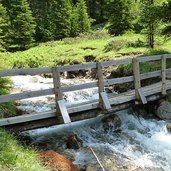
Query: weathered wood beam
x,y
137,81
163,75
60,105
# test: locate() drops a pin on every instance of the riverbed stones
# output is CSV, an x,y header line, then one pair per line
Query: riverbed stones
x,y
55,161
168,126
164,110
111,122
73,142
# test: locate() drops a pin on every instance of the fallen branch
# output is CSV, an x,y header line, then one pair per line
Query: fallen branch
x,y
97,158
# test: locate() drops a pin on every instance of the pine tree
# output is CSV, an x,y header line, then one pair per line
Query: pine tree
x,y
53,18
74,22
150,20
119,16
22,24
83,18
61,12
3,26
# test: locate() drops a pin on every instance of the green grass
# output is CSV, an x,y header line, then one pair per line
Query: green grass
x,y
74,50
6,109
15,157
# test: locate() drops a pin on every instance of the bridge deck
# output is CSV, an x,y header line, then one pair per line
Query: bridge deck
x,y
81,111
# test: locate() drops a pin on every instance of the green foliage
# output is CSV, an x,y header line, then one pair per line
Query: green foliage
x,y
4,23
120,17
83,19
80,22
74,22
22,25
53,19
6,109
15,157
115,45
150,19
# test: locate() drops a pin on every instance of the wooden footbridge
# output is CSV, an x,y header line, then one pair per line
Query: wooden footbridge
x,y
106,102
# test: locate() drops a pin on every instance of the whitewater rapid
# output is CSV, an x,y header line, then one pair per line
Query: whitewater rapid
x,y
143,142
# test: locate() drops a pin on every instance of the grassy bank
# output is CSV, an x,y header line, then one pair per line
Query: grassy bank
x,y
6,109
15,157
95,46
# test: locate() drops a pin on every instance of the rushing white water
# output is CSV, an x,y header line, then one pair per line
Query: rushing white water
x,y
144,142
46,103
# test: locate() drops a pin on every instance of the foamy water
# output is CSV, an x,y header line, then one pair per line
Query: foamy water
x,y
146,143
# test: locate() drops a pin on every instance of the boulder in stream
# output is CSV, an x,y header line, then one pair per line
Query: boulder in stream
x,y
168,126
164,110
73,142
111,122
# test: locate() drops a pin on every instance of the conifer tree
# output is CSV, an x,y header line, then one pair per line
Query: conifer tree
x,y
119,16
83,18
61,12
150,19
22,24
3,26
74,22
53,18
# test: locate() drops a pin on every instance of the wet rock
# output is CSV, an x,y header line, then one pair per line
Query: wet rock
x,y
55,161
168,126
73,142
68,153
111,122
164,110
81,167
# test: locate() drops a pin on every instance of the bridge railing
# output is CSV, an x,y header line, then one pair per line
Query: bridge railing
x,y
104,103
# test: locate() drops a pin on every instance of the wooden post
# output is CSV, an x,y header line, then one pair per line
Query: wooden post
x,y
163,75
60,105
103,98
137,81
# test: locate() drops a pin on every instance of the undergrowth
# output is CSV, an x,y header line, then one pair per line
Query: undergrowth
x,y
15,157
6,109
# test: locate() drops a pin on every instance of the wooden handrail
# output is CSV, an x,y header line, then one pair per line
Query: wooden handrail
x,y
37,71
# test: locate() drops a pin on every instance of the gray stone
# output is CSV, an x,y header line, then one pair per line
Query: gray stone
x,y
164,110
111,122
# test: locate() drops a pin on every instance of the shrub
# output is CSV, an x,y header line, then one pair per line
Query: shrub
x,y
6,109
115,45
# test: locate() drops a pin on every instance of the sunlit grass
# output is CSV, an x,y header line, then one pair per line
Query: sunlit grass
x,y
15,157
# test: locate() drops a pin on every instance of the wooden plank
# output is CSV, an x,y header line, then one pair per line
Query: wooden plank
x,y
57,84
168,56
118,80
26,95
149,58
163,75
114,100
136,71
142,97
79,87
29,71
77,67
150,75
27,118
116,62
100,84
64,112
105,101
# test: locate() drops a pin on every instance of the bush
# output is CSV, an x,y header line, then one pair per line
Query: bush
x,y
95,35
6,109
136,44
115,45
